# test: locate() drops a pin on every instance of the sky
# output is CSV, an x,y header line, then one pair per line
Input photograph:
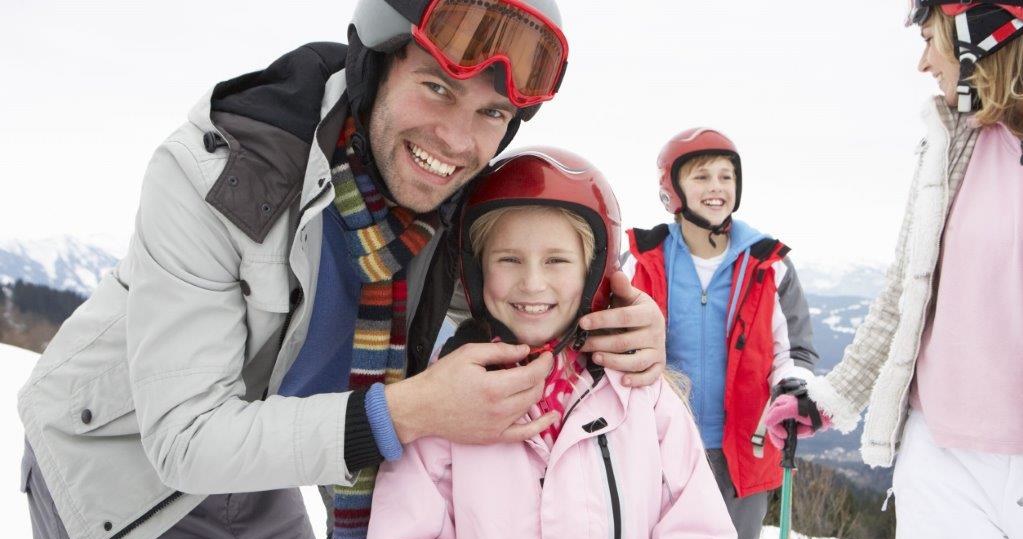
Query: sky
x,y
822,99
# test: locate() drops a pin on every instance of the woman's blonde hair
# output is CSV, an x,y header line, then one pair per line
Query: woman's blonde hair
x,y
998,77
481,229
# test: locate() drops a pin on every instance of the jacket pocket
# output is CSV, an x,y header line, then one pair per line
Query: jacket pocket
x,y
103,406
265,284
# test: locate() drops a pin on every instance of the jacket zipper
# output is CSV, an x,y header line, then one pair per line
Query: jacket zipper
x,y
616,509
148,515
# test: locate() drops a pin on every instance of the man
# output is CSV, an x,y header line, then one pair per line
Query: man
x,y
292,251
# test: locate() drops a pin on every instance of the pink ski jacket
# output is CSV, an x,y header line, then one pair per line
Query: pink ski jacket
x,y
627,463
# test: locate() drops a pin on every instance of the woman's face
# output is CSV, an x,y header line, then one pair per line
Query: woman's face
x,y
533,274
709,190
943,67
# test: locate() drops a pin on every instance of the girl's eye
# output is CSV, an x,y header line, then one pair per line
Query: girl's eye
x,y
510,259
558,260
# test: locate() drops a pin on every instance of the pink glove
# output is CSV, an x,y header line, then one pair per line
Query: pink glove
x,y
786,407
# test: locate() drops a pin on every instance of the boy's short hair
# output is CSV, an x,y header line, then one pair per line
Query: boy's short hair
x,y
483,226
700,161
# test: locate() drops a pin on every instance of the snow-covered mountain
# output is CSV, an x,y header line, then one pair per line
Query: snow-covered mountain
x,y
61,263
833,279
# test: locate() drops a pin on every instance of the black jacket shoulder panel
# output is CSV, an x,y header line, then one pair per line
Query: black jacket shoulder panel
x,y
650,239
287,94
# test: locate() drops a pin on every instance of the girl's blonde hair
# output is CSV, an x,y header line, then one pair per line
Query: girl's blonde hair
x,y
998,77
481,229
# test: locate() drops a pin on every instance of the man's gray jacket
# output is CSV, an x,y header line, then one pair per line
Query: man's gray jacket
x,y
161,387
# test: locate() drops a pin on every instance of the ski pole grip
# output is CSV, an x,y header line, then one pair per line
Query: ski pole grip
x,y
788,459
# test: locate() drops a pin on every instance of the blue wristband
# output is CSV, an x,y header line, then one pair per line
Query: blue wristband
x,y
380,423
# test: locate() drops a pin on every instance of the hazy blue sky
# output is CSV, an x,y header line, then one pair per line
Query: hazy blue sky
x,y
822,98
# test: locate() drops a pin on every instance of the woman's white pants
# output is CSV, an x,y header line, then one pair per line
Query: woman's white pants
x,y
950,493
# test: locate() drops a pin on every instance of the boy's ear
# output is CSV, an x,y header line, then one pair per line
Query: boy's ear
x,y
470,331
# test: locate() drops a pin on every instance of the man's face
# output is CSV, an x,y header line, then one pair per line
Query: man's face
x,y
431,133
940,64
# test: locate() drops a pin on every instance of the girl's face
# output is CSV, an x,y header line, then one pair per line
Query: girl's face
x,y
533,274
709,190
941,66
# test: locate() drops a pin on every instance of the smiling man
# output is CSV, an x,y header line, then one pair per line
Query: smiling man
x,y
291,255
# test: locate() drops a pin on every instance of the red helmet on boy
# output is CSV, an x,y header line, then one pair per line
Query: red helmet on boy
x,y
685,146
546,176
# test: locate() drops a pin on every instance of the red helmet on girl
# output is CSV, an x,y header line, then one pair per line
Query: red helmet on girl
x,y
545,176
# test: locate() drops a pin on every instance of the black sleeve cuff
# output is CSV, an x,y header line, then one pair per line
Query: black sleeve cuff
x,y
360,446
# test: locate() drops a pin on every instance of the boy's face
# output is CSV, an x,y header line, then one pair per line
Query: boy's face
x,y
430,133
941,66
533,274
709,190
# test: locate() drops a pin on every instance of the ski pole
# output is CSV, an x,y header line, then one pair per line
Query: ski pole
x,y
788,463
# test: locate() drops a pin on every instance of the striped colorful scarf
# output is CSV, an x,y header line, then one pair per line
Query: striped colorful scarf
x,y
381,241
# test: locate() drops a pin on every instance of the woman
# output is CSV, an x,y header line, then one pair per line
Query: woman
x,y
939,356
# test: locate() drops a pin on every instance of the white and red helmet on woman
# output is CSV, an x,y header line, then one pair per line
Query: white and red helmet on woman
x,y
981,28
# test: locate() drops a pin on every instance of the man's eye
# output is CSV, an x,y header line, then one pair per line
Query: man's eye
x,y
493,113
436,88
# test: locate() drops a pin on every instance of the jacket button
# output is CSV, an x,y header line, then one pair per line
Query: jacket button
x,y
265,208
320,182
211,140
86,416
419,349
232,181
246,289
108,525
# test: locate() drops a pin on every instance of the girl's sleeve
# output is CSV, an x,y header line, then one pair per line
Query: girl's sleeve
x,y
691,504
412,497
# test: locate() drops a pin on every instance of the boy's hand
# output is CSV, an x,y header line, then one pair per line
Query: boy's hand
x,y
637,347
459,400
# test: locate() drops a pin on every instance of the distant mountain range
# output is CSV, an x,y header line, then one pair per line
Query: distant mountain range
x,y
61,263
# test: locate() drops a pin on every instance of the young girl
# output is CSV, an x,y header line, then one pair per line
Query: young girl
x,y
738,324
539,240
936,362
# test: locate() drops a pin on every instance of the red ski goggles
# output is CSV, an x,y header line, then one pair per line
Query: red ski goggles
x,y
467,36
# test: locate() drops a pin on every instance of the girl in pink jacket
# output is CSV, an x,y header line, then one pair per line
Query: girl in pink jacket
x,y
539,241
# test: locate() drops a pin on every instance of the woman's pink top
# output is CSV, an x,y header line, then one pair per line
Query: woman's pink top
x,y
969,373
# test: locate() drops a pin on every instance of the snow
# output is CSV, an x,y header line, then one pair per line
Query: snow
x,y
771,532
18,365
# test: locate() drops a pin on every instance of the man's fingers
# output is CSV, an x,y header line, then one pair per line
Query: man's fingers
x,y
513,382
523,431
493,353
618,343
622,289
631,364
616,318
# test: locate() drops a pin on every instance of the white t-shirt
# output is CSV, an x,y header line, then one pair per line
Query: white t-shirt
x,y
705,267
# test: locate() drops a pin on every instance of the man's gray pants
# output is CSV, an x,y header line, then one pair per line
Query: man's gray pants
x,y
747,513
250,515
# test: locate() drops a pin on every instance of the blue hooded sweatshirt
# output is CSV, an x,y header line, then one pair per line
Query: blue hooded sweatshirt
x,y
697,321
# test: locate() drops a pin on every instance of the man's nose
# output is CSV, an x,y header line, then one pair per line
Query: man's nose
x,y
455,130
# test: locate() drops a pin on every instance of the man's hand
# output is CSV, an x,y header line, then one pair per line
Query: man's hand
x,y
459,400
637,346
